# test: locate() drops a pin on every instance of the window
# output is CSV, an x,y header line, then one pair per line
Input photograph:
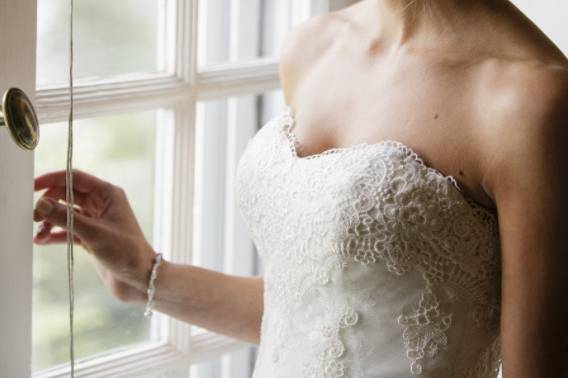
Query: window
x,y
107,43
165,100
108,147
170,90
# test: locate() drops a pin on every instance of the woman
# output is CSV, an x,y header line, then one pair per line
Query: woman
x,y
378,264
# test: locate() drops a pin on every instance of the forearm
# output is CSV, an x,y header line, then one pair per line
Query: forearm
x,y
225,304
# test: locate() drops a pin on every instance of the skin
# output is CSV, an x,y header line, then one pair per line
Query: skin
x,y
480,94
472,86
106,227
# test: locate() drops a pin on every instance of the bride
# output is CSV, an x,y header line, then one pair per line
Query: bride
x,y
408,206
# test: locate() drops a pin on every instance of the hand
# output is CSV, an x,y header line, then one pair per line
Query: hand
x,y
104,224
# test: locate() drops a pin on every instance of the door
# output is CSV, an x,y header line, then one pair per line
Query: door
x,y
17,68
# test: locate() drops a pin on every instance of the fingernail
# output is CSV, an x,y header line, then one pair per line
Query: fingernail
x,y
44,206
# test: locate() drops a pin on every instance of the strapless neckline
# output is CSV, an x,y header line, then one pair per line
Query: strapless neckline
x,y
374,263
293,142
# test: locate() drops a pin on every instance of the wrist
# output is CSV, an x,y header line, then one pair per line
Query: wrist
x,y
152,285
140,285
142,273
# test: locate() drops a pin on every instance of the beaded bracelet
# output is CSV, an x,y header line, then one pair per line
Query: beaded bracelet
x,y
151,288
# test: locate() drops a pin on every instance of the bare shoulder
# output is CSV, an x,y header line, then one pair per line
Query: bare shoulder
x,y
306,44
524,106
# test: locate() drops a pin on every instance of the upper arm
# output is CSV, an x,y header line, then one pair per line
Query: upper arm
x,y
528,179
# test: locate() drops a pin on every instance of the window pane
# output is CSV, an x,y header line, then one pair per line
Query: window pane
x,y
111,38
222,241
120,149
232,31
223,130
238,364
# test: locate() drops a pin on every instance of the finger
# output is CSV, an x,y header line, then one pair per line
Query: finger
x,y
58,237
38,217
43,231
60,193
55,213
82,181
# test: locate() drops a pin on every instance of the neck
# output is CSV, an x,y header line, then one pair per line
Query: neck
x,y
401,21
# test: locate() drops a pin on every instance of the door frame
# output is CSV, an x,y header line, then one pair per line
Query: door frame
x,y
17,69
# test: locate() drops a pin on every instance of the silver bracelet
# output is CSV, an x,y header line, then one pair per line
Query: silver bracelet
x,y
151,288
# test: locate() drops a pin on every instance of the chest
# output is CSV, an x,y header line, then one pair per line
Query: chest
x,y
311,219
356,195
431,108
404,92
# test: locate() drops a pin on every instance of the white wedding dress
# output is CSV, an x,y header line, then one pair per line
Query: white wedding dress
x,y
375,265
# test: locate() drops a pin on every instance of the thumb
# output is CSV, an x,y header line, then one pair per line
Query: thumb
x,y
56,213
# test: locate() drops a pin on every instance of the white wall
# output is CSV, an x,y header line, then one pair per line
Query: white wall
x,y
550,16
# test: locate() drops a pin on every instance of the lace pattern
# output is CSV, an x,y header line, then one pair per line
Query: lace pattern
x,y
329,348
424,330
320,219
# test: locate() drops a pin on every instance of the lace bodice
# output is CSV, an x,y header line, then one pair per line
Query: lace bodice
x,y
375,265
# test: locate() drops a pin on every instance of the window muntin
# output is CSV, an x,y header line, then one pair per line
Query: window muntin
x,y
237,364
238,31
223,128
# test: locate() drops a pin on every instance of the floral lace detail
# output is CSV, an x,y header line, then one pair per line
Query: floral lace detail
x,y
424,330
329,348
327,225
325,337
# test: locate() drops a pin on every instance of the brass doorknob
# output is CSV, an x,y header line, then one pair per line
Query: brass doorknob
x,y
17,112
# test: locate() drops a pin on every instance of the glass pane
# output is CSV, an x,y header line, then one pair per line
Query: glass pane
x,y
238,364
222,131
232,31
120,149
222,241
111,38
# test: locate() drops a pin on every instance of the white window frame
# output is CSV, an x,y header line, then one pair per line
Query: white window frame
x,y
180,90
